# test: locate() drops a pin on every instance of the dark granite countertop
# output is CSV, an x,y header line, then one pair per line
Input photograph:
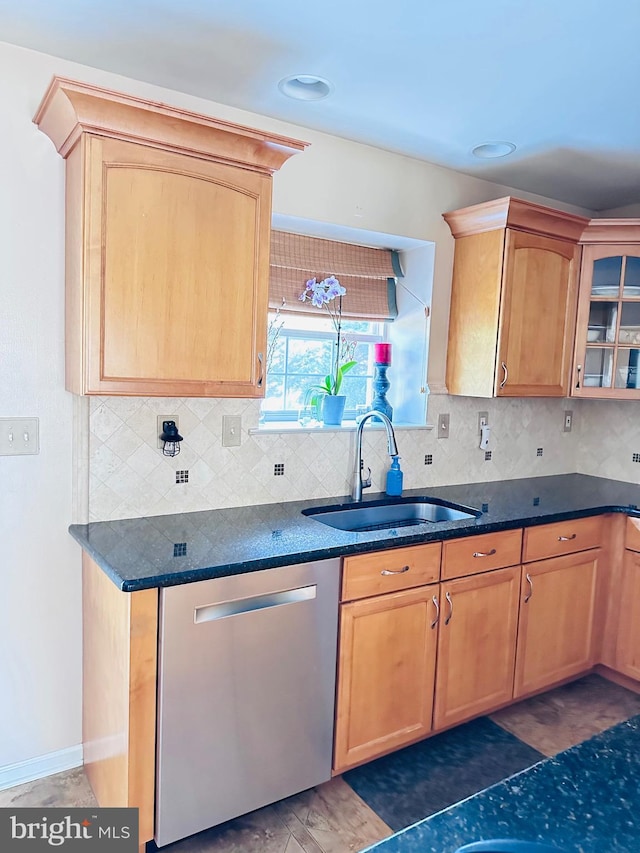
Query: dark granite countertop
x,y
584,800
164,550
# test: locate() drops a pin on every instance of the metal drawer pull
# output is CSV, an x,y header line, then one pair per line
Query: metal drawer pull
x,y
567,538
211,612
395,571
436,604
530,593
506,374
448,597
485,554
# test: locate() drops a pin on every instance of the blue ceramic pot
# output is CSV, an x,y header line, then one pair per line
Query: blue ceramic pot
x,y
333,409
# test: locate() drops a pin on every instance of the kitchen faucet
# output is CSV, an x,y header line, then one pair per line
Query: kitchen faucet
x,y
358,483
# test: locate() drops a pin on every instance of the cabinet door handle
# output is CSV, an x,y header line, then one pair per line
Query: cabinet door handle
x,y
578,370
530,593
261,377
395,571
506,375
436,604
484,553
567,538
450,614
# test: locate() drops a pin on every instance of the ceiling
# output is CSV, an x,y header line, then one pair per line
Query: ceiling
x,y
427,78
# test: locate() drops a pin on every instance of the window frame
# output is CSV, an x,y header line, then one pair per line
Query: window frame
x,y
291,332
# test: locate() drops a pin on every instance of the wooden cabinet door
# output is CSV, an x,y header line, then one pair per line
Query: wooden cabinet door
x,y
476,646
174,267
555,634
608,324
537,316
628,644
386,672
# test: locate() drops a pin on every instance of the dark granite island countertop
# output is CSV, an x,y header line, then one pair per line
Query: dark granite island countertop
x,y
585,800
165,550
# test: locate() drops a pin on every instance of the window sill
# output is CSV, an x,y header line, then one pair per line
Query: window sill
x,y
347,426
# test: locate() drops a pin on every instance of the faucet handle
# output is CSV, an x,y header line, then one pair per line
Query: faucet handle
x,y
366,482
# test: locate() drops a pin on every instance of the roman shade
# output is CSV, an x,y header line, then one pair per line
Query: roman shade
x,y
367,274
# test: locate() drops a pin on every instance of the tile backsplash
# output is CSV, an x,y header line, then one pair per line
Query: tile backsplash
x,y
128,475
610,437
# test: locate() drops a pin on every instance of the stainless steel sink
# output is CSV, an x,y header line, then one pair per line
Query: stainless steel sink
x,y
390,513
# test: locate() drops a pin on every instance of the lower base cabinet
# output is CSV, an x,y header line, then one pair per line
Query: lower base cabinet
x,y
627,654
420,660
555,635
476,645
386,673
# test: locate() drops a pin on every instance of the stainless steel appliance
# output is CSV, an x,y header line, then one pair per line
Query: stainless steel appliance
x,y
245,693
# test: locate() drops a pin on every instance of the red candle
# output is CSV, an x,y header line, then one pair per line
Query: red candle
x,y
382,353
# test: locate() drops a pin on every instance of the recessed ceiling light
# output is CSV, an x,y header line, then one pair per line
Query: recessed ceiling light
x,y
489,150
305,87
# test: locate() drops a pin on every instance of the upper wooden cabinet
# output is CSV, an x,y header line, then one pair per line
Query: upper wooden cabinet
x,y
513,299
167,245
608,326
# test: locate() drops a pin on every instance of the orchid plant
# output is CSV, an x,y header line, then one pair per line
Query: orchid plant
x,y
323,294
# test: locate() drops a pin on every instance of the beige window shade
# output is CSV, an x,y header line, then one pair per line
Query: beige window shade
x,y
367,274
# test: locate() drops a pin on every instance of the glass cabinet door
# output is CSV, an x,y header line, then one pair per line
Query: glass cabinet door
x,y
608,334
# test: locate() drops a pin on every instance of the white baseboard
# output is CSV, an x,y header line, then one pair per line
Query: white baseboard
x,y
38,768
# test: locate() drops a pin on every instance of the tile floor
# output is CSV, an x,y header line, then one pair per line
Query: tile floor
x,y
332,818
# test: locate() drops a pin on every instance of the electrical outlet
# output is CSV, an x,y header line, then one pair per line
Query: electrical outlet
x,y
231,430
568,420
443,426
161,419
19,436
483,420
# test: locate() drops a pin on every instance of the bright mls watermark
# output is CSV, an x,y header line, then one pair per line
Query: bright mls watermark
x,y
90,829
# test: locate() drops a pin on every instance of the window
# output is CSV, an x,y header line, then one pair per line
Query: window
x,y
301,356
388,294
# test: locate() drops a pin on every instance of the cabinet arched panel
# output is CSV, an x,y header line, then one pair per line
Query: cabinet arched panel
x,y
537,315
180,255
175,273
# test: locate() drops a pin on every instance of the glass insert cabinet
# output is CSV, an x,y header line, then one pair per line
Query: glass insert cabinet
x,y
607,357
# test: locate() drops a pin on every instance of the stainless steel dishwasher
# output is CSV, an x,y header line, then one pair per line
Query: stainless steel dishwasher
x,y
245,693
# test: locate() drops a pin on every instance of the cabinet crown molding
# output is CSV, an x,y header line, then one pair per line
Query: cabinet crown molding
x,y
70,108
510,212
612,231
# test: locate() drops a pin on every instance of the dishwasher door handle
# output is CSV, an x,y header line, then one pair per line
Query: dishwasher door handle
x,y
211,612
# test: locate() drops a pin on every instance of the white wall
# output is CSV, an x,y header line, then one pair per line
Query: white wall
x,y
39,627
335,181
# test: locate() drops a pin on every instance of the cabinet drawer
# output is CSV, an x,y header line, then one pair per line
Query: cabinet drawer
x,y
563,537
388,571
632,536
481,553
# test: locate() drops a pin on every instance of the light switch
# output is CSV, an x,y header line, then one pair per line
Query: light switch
x,y
19,436
231,430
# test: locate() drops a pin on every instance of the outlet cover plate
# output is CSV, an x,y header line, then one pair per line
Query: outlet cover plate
x,y
443,426
568,420
231,430
483,420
